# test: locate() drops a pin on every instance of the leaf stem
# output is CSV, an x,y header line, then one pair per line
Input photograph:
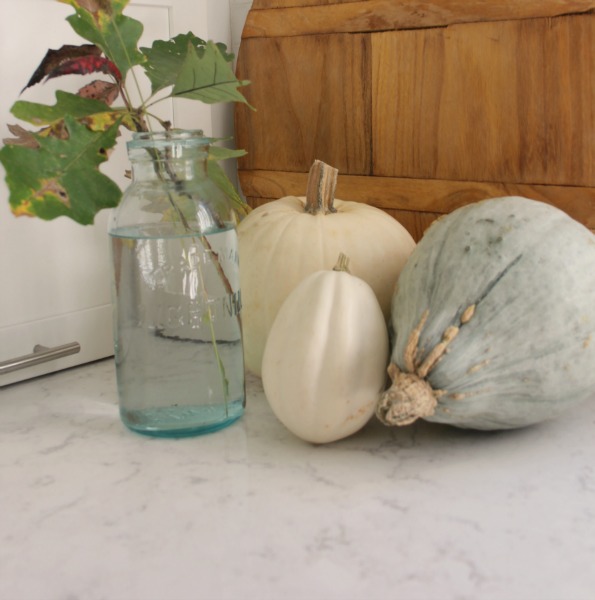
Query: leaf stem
x,y
164,170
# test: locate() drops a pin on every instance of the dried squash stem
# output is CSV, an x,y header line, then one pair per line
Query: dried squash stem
x,y
411,396
408,398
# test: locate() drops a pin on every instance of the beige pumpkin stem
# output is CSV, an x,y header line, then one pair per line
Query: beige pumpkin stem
x,y
342,264
320,194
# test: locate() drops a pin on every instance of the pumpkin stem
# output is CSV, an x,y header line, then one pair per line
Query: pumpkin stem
x,y
320,195
342,264
408,399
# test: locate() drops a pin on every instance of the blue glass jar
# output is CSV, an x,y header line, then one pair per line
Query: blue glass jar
x,y
176,293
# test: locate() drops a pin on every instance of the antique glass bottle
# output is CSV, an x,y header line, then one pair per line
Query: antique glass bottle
x,y
176,295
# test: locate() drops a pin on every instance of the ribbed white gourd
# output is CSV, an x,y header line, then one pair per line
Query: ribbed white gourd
x,y
324,364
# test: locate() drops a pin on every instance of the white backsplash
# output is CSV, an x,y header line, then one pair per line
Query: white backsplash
x,y
55,276
238,13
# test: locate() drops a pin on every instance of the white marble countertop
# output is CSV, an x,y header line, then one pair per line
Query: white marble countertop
x,y
91,511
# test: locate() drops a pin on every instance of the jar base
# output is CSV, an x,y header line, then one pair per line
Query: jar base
x,y
182,421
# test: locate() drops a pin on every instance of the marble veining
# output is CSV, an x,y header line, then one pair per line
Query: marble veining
x,y
91,511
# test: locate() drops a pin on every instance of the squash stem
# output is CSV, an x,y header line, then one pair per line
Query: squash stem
x,y
408,399
320,194
342,264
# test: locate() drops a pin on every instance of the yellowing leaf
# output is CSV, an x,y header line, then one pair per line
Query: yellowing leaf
x,y
51,188
102,121
62,177
24,209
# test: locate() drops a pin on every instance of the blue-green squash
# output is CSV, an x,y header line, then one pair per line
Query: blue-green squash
x,y
493,319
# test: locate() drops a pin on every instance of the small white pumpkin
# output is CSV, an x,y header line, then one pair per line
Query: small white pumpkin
x,y
324,364
285,240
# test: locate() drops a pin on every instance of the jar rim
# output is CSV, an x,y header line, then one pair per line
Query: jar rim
x,y
192,138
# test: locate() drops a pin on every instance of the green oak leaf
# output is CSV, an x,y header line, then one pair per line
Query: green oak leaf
x,y
66,104
101,22
55,171
164,59
208,78
62,177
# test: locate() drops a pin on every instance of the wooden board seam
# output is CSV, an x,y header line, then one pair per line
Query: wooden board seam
x,y
420,195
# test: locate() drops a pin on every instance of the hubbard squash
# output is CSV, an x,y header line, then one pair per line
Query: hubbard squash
x,y
494,319
286,240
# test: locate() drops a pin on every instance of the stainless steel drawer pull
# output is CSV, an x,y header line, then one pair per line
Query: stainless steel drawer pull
x,y
40,355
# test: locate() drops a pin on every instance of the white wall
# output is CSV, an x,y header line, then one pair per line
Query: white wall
x,y
239,11
55,277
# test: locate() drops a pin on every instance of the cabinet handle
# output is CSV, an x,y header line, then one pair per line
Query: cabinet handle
x,y
39,355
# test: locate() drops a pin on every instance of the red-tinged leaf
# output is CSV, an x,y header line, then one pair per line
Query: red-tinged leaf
x,y
101,22
105,91
84,65
94,6
54,58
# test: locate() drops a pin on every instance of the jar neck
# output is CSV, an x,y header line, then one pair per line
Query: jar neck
x,y
169,157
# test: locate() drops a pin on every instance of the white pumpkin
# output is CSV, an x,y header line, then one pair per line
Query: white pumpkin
x,y
324,364
285,240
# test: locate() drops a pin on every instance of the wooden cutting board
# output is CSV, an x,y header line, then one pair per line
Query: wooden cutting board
x,y
422,106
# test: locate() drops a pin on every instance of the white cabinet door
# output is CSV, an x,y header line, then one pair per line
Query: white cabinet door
x,y
55,276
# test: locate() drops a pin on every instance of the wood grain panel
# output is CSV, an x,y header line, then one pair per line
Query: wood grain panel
x,y
497,100
312,98
277,18
507,101
431,196
264,4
